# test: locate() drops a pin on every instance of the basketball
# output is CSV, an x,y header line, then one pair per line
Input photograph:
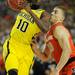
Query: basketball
x,y
14,4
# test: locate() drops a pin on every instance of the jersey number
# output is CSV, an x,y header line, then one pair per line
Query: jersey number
x,y
22,25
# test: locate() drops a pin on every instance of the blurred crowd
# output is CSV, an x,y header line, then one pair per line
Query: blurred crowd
x,y
8,16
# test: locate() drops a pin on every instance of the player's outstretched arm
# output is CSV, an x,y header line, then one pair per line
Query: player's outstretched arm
x,y
41,24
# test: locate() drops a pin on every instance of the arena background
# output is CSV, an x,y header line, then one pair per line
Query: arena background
x,y
7,18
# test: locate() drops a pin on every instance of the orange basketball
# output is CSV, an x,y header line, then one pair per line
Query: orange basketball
x,y
13,4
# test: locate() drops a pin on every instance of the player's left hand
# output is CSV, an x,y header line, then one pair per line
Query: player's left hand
x,y
54,71
34,47
22,4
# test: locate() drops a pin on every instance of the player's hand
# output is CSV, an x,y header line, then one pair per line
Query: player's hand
x,y
22,3
54,71
34,47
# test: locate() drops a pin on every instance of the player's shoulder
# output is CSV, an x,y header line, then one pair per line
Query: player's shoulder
x,y
38,12
60,28
61,31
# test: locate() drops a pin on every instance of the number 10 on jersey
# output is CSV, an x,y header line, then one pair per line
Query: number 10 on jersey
x,y
22,26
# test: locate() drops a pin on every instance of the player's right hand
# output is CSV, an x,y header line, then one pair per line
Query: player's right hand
x,y
24,5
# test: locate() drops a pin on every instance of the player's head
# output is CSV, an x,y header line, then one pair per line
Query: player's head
x,y
58,14
33,1
35,4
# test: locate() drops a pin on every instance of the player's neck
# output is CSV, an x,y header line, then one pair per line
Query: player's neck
x,y
35,7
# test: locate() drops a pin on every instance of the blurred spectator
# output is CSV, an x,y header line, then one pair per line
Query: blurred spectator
x,y
2,66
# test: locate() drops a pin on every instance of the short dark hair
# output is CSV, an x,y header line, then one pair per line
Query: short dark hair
x,y
32,1
33,4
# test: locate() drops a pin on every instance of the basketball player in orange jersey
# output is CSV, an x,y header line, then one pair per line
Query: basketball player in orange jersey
x,y
59,45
